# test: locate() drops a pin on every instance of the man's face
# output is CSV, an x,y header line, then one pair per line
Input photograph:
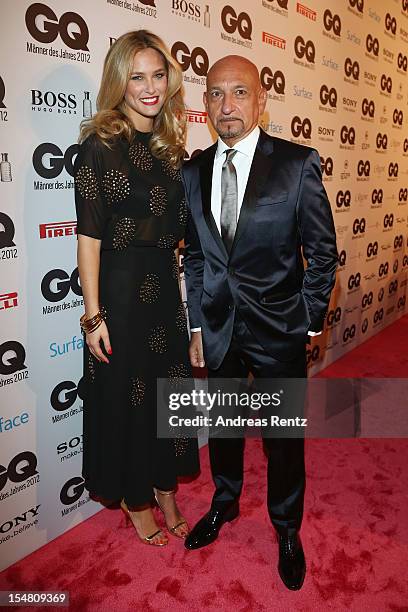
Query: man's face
x,y
234,100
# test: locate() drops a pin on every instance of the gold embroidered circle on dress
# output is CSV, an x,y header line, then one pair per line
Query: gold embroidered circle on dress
x,y
137,391
150,289
180,446
157,339
181,321
182,212
158,200
171,171
166,242
87,183
124,232
141,156
177,372
116,186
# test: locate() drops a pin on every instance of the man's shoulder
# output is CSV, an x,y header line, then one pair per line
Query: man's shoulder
x,y
200,158
289,149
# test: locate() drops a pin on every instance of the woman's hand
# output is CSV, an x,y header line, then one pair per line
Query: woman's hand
x,y
94,339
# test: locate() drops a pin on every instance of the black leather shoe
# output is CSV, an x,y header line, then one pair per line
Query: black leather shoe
x,y
292,565
208,528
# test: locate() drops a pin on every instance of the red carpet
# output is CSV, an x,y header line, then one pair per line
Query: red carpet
x,y
355,533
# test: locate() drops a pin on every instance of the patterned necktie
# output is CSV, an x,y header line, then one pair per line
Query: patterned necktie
x,y
229,199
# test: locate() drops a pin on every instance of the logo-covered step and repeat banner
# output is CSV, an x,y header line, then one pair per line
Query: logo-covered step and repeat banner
x,y
336,77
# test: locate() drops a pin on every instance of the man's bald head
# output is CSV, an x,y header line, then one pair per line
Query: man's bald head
x,y
234,99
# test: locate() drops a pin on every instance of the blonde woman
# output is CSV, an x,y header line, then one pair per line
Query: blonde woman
x,y
131,215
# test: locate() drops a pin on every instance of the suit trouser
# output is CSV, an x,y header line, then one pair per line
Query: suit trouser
x,y
286,468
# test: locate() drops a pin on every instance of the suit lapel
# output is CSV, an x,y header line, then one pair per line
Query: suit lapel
x,y
206,170
260,168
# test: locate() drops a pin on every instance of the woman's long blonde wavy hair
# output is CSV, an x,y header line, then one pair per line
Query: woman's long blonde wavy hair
x,y
111,120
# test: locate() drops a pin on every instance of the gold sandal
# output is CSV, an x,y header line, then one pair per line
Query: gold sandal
x,y
183,521
147,539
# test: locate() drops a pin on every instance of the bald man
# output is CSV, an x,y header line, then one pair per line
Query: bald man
x,y
256,207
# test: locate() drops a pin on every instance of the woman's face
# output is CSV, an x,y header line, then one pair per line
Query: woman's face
x,y
146,90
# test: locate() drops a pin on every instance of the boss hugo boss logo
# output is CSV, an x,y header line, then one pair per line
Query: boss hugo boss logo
x,y
19,469
372,249
65,394
49,161
354,281
349,333
397,117
305,49
342,258
301,128
45,27
359,226
358,5
378,316
56,285
386,84
273,80
347,135
363,168
372,45
377,196
393,287
368,108
367,300
7,231
333,317
402,62
12,358
388,220
72,490
390,24
231,22
326,165
343,198
383,269
352,69
328,96
403,194
381,141
197,59
312,355
331,22
393,170
49,101
192,10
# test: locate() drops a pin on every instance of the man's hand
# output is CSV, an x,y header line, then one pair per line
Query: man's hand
x,y
196,350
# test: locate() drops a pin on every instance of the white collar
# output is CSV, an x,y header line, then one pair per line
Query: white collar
x,y
246,146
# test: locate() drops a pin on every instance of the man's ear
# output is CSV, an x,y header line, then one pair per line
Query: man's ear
x,y
205,100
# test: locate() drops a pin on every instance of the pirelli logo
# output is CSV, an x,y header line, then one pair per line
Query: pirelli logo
x,y
196,116
275,41
57,230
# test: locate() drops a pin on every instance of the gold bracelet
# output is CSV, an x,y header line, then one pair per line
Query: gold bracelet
x,y
90,325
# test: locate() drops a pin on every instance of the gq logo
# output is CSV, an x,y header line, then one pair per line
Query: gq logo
x,y
197,58
326,166
312,355
328,96
349,333
271,79
405,261
393,169
12,358
377,196
397,117
72,490
343,198
368,108
390,24
386,83
305,49
372,45
405,145
342,258
367,300
403,195
364,326
7,231
363,168
388,220
383,269
282,3
65,394
372,249
2,93
352,69
56,285
75,38
348,135
333,317
359,226
232,22
401,302
381,294
381,141
378,315
393,287
57,160
402,62
301,128
20,468
395,266
332,22
357,4
354,281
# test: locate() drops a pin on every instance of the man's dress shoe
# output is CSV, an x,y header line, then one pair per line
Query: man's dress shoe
x,y
292,565
208,528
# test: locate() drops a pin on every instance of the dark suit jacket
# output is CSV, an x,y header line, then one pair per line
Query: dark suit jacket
x,y
285,211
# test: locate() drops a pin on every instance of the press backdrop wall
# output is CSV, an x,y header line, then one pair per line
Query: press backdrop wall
x,y
336,75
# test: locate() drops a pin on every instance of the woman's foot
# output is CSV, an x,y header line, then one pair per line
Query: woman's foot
x,y
145,525
175,522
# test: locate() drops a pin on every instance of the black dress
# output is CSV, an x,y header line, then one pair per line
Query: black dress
x,y
134,203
